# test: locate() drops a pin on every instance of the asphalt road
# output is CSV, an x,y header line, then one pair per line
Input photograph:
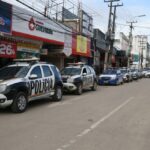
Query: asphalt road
x,y
111,118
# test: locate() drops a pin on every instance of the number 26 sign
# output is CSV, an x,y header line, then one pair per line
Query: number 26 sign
x,y
8,49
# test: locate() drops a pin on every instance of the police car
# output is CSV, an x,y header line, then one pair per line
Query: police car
x,y
111,76
24,81
78,76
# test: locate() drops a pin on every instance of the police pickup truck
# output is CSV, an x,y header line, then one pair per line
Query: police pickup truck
x,y
78,76
27,80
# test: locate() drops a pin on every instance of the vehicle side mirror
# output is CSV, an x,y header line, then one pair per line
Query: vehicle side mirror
x,y
33,76
84,74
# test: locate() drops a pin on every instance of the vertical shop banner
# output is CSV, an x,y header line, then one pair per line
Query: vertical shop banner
x,y
68,43
7,49
5,18
81,46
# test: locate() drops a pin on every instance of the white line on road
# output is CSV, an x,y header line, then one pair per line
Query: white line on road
x,y
111,113
66,102
96,124
59,104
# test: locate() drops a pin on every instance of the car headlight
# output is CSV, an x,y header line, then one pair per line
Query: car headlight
x,y
3,87
100,77
70,80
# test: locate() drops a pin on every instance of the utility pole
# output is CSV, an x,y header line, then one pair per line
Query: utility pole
x,y
109,30
112,37
46,9
130,41
63,11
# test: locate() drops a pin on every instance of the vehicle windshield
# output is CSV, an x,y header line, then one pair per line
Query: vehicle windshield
x,y
124,71
145,69
110,72
133,70
71,71
13,72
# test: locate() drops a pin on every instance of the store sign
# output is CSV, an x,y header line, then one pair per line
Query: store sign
x,y
7,49
25,50
81,46
44,51
37,27
5,17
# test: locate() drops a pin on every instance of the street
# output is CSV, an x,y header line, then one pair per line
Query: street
x,y
111,118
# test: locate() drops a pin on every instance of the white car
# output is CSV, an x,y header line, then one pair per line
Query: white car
x,y
147,74
77,77
22,82
145,70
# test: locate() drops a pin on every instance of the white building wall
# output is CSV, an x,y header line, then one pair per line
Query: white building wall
x,y
139,47
122,42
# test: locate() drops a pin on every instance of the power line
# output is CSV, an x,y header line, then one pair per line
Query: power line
x,y
133,26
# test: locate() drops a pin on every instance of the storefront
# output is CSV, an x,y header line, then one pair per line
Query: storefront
x,y
81,48
42,33
121,58
99,46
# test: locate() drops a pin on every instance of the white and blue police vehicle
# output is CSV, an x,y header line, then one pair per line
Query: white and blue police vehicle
x,y
78,76
27,80
111,76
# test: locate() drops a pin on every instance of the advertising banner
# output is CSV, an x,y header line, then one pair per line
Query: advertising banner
x,y
8,49
5,18
81,46
86,24
25,50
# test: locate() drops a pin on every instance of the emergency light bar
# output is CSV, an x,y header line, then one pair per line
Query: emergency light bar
x,y
77,64
27,60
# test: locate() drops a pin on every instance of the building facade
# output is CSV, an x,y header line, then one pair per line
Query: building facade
x,y
121,45
140,51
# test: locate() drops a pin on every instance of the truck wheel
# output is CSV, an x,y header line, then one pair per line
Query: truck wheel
x,y
79,89
19,104
58,94
94,87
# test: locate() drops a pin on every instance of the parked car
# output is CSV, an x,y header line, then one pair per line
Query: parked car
x,y
78,76
127,77
25,81
111,77
135,74
144,71
147,74
140,73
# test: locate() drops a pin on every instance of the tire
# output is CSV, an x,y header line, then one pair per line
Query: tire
x,y
79,89
58,94
19,104
94,87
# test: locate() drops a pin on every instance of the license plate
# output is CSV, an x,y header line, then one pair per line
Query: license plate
x,y
105,81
